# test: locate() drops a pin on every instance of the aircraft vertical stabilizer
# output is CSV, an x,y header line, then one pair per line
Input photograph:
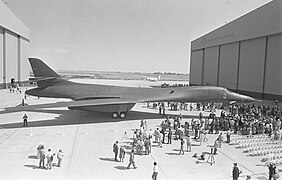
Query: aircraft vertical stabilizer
x,y
40,69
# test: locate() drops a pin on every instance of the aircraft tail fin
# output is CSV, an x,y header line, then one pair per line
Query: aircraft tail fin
x,y
40,69
44,75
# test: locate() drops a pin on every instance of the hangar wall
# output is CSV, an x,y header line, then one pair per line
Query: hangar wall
x,y
244,55
14,47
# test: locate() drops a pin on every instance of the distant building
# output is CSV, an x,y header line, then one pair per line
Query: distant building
x,y
244,55
14,48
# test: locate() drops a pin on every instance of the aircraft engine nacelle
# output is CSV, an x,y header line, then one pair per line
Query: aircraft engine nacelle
x,y
106,108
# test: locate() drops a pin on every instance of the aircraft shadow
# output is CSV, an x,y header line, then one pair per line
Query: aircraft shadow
x,y
67,117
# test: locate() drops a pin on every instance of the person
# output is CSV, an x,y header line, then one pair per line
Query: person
x,y
160,109
181,146
163,135
215,146
155,171
25,120
219,140
163,111
60,156
188,139
131,160
121,153
49,157
228,135
169,136
115,150
142,124
272,170
157,135
124,137
205,136
41,157
147,146
160,140
248,177
201,159
235,172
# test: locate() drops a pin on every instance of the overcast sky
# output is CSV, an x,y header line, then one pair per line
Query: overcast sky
x,y
122,35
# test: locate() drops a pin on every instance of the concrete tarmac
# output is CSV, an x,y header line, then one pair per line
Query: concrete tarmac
x,y
87,138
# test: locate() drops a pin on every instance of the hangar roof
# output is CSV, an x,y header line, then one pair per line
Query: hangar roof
x,y
10,21
263,21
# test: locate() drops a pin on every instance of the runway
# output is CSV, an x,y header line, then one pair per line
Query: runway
x,y
87,138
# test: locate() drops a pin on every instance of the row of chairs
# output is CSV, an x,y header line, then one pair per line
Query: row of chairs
x,y
252,140
269,150
271,157
260,146
251,144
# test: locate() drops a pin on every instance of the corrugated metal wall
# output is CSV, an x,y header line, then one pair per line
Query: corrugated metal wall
x,y
14,46
13,57
244,55
253,67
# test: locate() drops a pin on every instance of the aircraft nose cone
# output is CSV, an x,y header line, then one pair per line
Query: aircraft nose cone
x,y
247,99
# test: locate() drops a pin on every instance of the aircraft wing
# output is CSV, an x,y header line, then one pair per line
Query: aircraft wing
x,y
74,104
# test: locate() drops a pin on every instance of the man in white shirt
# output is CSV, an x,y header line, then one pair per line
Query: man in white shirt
x,y
49,156
155,171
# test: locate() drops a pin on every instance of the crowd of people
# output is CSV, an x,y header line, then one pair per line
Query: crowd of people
x,y
241,119
247,120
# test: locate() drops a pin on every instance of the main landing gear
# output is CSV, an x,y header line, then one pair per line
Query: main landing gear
x,y
122,115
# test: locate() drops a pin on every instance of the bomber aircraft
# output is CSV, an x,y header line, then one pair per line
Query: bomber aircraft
x,y
115,99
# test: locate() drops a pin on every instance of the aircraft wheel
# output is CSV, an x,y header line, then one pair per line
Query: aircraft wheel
x,y
115,115
122,115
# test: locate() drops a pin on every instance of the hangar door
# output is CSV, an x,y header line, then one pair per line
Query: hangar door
x,y
196,67
210,66
273,67
11,57
251,65
24,70
228,65
1,56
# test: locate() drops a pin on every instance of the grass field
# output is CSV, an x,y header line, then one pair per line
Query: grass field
x,y
122,75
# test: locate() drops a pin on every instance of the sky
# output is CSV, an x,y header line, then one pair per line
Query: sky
x,y
122,35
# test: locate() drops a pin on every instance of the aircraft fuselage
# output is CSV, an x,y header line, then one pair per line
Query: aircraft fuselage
x,y
78,91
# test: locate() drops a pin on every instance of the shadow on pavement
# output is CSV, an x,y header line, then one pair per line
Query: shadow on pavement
x,y
121,167
70,117
108,159
173,154
32,157
32,166
67,117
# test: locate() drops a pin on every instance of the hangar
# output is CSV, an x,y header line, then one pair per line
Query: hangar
x,y
243,55
14,48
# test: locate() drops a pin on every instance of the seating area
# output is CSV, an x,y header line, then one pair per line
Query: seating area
x,y
260,145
